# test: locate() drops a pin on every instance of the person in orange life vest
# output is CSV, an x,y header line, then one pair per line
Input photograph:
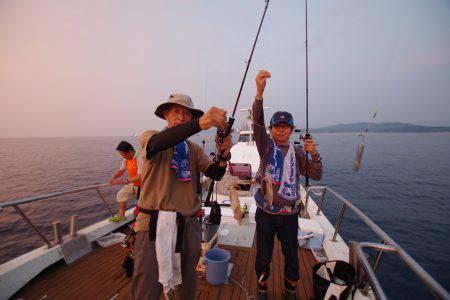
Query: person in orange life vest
x,y
132,165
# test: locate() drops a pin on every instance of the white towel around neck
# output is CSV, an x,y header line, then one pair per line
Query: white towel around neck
x,y
288,187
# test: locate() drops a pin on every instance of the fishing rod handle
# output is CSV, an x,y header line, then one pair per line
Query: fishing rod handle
x,y
303,136
306,136
222,134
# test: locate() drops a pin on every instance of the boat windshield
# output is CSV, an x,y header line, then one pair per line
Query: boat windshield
x,y
244,137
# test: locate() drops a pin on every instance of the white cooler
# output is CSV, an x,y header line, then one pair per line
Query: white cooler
x,y
310,234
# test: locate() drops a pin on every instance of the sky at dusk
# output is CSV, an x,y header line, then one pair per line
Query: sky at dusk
x,y
100,68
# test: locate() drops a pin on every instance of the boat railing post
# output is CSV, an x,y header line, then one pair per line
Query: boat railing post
x,y
339,221
308,192
322,197
374,283
73,225
377,258
104,201
26,219
375,263
57,232
354,261
387,245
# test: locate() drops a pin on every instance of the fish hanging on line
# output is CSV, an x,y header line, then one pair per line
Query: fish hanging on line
x,y
360,151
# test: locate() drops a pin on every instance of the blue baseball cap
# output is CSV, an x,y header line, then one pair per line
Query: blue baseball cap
x,y
282,116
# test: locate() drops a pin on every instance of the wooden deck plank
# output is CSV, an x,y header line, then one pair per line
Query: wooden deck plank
x,y
250,277
54,280
51,282
125,292
203,296
278,268
306,272
242,264
253,289
302,291
97,272
270,284
90,280
312,262
91,285
304,276
99,275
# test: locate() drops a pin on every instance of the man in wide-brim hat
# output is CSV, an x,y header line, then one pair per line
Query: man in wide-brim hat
x,y
170,165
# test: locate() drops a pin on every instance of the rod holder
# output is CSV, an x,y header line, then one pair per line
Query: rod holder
x,y
57,232
73,227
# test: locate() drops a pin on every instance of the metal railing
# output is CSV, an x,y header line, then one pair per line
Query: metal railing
x,y
387,244
16,203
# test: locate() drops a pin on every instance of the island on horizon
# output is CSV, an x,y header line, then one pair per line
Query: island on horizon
x,y
380,127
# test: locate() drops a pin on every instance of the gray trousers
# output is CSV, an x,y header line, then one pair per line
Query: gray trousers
x,y
145,283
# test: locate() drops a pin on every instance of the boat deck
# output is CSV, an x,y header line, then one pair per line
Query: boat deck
x,y
99,275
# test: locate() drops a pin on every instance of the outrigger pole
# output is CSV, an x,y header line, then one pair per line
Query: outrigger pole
x,y
229,125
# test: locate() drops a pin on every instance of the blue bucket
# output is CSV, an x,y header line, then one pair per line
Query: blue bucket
x,y
217,265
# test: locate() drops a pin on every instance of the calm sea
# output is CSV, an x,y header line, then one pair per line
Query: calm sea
x,y
403,185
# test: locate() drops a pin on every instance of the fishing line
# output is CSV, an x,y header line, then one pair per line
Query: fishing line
x,y
229,125
223,133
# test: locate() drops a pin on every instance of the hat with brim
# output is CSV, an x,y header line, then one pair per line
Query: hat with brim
x,y
178,99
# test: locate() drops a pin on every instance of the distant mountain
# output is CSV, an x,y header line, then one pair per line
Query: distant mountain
x,y
381,127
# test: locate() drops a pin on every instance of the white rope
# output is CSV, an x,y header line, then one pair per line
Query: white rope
x,y
247,293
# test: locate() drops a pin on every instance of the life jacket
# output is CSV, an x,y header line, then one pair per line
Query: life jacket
x,y
132,168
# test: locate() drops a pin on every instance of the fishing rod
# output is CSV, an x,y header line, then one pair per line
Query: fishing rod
x,y
306,135
204,108
203,136
306,65
223,133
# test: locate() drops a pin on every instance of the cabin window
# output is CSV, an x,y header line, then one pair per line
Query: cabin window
x,y
244,137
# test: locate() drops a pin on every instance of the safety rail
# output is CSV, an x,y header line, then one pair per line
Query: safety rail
x,y
16,203
387,244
